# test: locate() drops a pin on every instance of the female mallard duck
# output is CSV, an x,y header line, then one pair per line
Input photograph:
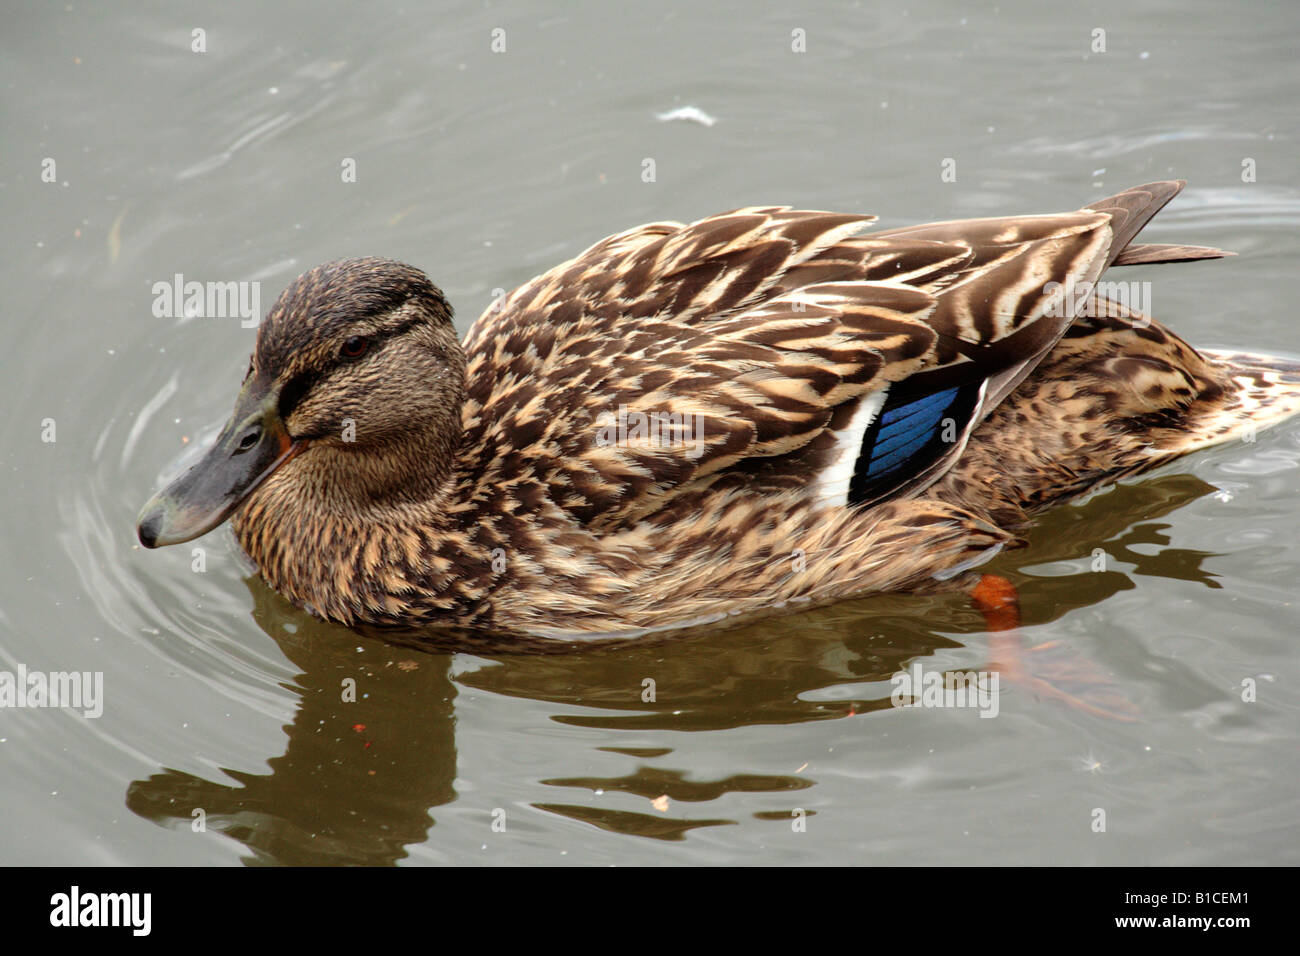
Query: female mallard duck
x,y
686,422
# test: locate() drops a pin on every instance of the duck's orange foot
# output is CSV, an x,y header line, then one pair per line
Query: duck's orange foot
x,y
1047,668
998,600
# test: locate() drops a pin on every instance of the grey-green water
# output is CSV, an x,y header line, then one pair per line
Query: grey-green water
x,y
485,168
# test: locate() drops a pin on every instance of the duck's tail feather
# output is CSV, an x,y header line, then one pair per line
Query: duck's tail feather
x,y
1132,209
1149,253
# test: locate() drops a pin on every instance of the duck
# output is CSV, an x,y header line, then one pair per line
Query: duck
x,y
753,413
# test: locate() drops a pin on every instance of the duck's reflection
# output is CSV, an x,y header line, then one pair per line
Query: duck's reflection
x,y
357,781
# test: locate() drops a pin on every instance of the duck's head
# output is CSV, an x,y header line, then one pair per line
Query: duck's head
x,y
357,374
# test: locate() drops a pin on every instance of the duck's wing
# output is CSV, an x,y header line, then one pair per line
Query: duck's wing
x,y
771,342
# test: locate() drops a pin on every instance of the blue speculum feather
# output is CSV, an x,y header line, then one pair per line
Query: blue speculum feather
x,y
905,430
906,436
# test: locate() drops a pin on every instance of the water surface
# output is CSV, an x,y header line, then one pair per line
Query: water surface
x,y
486,168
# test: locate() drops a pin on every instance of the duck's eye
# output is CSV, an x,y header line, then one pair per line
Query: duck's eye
x,y
355,347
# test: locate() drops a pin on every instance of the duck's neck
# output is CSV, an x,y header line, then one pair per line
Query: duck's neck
x,y
369,483
359,535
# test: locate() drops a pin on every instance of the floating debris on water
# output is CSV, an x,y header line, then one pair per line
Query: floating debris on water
x,y
689,114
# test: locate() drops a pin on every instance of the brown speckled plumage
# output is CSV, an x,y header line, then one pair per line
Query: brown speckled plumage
x,y
479,491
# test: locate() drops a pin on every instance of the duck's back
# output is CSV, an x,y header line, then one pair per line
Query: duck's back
x,y
765,341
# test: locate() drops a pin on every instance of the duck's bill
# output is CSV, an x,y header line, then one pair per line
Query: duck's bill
x,y
253,444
